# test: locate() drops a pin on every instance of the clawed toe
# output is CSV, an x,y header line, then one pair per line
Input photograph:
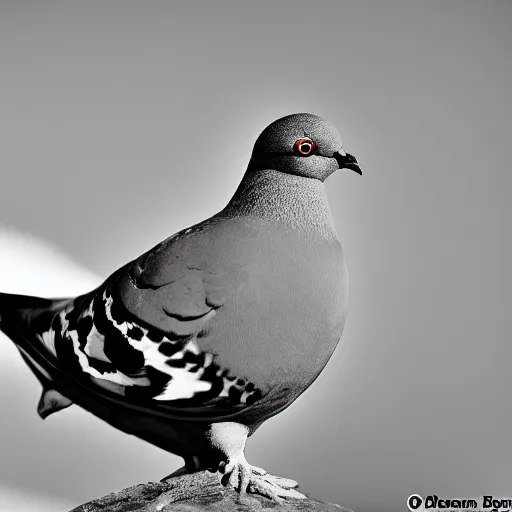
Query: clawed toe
x,y
286,483
246,478
258,471
272,491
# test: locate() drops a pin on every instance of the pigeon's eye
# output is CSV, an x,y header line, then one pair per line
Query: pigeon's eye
x,y
305,147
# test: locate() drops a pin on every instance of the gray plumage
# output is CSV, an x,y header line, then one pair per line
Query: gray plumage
x,y
196,343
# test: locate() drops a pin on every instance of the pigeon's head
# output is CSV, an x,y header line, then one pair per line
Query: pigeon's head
x,y
304,145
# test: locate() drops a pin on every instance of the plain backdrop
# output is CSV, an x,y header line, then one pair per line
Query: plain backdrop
x,y
122,122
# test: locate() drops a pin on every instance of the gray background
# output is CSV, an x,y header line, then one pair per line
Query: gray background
x,y
122,122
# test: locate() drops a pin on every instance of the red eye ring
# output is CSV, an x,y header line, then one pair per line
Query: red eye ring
x,y
305,146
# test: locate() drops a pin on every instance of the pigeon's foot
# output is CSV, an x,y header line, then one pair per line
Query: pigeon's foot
x,y
243,477
229,439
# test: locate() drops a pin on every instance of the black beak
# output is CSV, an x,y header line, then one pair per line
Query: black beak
x,y
347,161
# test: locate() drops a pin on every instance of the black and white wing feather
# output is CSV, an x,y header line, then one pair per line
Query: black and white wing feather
x,y
107,339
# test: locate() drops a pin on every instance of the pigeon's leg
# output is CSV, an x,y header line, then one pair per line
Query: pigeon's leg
x,y
229,439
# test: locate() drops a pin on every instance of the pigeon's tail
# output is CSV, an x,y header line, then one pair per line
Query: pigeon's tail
x,y
28,321
26,314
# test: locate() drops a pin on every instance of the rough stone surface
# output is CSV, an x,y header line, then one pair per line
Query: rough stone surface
x,y
196,492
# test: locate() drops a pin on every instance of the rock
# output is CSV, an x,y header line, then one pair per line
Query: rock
x,y
196,492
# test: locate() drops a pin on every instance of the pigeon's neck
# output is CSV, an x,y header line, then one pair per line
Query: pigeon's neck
x,y
284,198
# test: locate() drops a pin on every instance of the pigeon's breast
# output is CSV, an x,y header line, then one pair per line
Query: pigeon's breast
x,y
281,327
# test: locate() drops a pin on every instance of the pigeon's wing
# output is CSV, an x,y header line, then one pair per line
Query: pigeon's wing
x,y
139,335
178,285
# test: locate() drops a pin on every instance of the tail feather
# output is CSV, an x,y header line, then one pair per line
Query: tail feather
x,y
27,320
25,311
51,400
24,319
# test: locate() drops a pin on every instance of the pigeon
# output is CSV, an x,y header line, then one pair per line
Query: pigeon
x,y
195,344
